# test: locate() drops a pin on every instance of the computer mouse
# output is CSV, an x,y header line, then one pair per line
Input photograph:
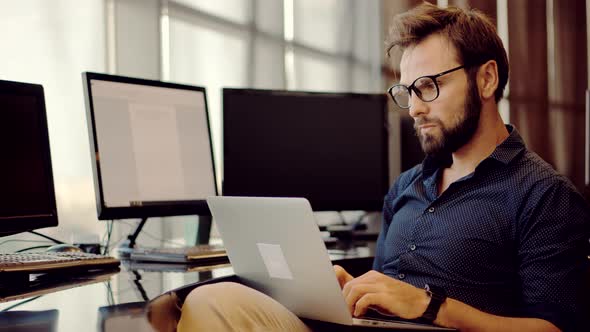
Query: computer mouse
x,y
63,247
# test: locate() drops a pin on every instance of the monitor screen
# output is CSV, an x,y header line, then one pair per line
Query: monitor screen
x,y
587,149
152,152
587,142
330,148
26,178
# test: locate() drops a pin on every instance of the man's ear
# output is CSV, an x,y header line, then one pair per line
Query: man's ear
x,y
487,79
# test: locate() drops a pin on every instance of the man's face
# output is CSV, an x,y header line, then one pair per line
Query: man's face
x,y
447,123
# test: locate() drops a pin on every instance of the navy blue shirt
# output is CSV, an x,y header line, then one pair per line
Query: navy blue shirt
x,y
509,239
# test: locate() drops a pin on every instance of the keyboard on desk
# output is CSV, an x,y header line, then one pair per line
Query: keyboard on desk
x,y
44,262
199,253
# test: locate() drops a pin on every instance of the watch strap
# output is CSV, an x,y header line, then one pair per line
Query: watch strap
x,y
437,297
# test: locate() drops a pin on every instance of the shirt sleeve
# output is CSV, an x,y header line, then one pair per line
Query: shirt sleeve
x,y
552,254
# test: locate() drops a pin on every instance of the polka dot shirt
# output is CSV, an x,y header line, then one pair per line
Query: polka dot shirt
x,y
509,239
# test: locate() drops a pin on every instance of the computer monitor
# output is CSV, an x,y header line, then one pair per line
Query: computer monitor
x,y
587,148
29,320
150,147
26,178
330,148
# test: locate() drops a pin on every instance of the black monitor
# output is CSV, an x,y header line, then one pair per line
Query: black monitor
x,y
29,320
27,193
150,146
330,148
587,148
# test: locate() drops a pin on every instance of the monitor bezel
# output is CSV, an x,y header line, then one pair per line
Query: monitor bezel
x,y
18,224
324,205
163,209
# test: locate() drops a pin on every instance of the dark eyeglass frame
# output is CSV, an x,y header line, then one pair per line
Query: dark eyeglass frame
x,y
412,87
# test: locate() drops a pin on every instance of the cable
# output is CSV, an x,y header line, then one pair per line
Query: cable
x,y
110,234
108,241
103,237
155,237
47,237
30,248
110,297
116,243
128,224
20,303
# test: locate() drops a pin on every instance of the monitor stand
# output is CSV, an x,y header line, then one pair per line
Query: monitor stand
x,y
204,230
203,233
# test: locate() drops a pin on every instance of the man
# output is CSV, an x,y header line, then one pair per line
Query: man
x,y
482,217
494,232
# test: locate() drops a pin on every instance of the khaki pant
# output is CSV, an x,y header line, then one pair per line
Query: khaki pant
x,y
229,306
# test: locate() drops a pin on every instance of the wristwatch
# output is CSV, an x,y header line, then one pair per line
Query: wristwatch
x,y
437,298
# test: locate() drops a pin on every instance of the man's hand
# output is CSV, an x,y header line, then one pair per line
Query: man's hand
x,y
342,275
388,295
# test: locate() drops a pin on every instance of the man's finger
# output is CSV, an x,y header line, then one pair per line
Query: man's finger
x,y
364,302
342,276
357,291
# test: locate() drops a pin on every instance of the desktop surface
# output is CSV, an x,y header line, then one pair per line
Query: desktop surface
x,y
117,302
107,303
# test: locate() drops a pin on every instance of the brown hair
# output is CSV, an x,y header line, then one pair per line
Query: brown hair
x,y
470,31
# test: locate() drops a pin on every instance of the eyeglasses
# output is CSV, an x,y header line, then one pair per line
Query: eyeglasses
x,y
425,87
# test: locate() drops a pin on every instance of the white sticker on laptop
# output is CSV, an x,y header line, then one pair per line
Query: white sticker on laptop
x,y
275,261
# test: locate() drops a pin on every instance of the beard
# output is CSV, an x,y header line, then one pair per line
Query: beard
x,y
455,136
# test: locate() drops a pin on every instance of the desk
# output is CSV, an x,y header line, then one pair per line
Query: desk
x,y
117,302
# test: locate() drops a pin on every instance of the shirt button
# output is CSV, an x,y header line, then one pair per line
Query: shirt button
x,y
412,247
401,276
431,210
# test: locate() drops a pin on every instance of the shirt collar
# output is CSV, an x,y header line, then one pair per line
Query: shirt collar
x,y
504,153
510,148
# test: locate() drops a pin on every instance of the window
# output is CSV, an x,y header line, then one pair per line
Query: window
x,y
269,44
51,43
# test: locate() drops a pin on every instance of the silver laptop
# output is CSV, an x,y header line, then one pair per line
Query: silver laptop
x,y
275,246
